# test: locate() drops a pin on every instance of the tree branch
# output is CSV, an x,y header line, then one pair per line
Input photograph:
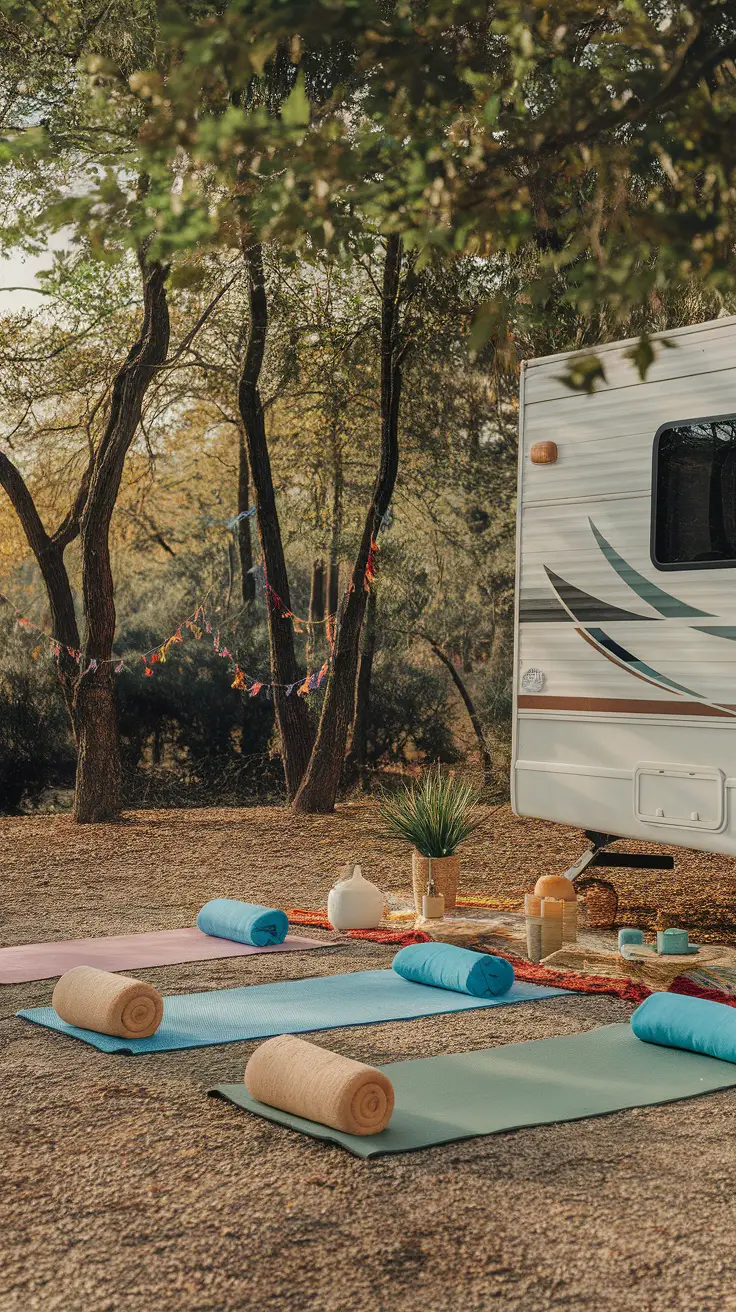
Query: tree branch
x,y
12,481
68,529
682,77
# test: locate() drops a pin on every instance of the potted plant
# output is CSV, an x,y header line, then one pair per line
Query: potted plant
x,y
435,816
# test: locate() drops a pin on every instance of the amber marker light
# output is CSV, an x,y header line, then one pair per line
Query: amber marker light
x,y
543,453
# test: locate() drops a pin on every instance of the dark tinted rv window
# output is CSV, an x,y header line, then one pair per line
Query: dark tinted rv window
x,y
694,495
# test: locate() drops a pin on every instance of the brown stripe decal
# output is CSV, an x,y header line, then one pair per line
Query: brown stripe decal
x,y
620,706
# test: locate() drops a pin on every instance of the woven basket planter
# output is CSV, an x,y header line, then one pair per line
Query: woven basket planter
x,y
445,872
598,901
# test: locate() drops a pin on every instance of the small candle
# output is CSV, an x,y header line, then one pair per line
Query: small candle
x,y
433,908
552,919
532,908
570,922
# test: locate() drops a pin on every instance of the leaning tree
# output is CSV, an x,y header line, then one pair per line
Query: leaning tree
x,y
60,126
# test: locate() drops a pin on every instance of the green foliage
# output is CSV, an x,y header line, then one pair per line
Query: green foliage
x,y
36,745
598,141
583,374
187,712
434,816
409,716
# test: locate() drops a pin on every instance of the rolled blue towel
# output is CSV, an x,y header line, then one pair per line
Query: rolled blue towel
x,y
243,922
445,966
675,1021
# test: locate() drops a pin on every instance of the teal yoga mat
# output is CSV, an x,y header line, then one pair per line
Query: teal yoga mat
x,y
462,1096
295,1006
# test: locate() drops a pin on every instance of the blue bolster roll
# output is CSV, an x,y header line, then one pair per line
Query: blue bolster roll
x,y
675,1021
243,922
444,966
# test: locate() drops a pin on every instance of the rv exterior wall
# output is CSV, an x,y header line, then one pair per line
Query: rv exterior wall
x,y
625,673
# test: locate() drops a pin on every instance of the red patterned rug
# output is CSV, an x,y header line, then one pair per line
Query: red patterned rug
x,y
392,937
626,989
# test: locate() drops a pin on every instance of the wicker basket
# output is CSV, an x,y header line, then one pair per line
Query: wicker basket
x,y
597,901
445,872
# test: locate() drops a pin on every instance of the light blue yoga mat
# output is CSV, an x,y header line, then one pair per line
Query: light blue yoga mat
x,y
467,1094
296,1006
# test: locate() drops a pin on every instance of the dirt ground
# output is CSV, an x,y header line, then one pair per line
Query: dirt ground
x,y
125,1188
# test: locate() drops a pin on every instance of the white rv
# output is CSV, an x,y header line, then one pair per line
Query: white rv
x,y
625,656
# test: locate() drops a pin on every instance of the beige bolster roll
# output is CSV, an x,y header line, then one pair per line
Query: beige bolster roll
x,y
110,1004
320,1085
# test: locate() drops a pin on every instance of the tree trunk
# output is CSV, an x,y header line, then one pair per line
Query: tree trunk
x,y
99,776
230,554
292,715
483,748
357,755
320,783
333,578
317,592
502,640
98,793
88,683
49,553
245,546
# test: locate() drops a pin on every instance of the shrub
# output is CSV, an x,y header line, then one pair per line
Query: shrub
x,y
409,714
188,724
36,741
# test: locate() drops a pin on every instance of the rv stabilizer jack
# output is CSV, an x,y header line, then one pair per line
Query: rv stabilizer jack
x,y
597,856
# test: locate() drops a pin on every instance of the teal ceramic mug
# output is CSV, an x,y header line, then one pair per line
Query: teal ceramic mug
x,y
674,942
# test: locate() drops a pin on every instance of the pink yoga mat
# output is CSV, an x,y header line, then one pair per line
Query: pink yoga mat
x,y
164,947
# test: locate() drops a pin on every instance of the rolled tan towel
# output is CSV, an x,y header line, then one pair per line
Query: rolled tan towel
x,y
110,1004
320,1085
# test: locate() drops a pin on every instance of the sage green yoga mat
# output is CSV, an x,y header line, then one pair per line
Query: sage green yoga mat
x,y
462,1096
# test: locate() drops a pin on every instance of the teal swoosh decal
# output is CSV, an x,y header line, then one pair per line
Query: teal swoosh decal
x,y
667,605
641,667
724,631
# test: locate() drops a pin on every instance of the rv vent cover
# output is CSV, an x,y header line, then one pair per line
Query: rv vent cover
x,y
532,680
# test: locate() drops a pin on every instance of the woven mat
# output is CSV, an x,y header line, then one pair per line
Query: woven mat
x,y
647,966
628,990
480,935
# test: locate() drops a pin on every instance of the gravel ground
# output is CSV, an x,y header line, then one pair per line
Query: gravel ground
x,y
125,1188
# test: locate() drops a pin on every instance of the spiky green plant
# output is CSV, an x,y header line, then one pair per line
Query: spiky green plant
x,y
435,816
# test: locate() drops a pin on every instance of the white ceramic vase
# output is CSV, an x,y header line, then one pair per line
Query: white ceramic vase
x,y
354,902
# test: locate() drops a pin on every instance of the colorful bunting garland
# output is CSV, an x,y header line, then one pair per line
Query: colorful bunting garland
x,y
199,626
300,624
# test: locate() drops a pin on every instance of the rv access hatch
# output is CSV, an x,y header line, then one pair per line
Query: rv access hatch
x,y
684,796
